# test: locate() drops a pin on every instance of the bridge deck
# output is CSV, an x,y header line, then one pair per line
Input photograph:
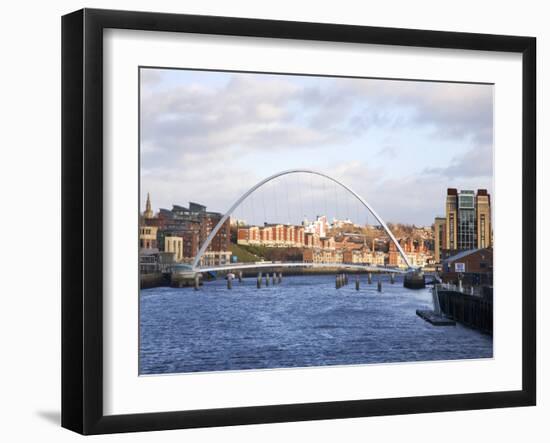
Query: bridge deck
x,y
263,265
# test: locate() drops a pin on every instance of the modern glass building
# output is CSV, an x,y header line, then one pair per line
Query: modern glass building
x,y
467,222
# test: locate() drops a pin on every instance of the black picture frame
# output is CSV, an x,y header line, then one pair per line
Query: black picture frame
x,y
82,216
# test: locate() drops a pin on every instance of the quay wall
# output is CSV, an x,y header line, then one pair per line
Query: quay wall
x,y
470,310
153,280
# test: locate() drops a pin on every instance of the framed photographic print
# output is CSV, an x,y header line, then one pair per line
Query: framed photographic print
x,y
269,221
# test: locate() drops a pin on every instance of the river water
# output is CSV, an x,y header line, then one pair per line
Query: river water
x,y
304,321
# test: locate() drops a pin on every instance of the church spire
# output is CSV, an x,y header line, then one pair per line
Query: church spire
x,y
148,213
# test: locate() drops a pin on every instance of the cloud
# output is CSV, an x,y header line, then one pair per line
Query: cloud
x,y
199,134
389,151
476,162
450,110
255,111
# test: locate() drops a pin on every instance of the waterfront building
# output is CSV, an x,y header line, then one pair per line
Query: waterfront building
x,y
242,236
439,237
289,234
473,266
190,243
354,256
312,240
208,220
278,235
254,235
328,243
299,232
467,223
148,261
379,258
483,214
174,245
238,222
319,226
339,224
266,236
214,258
148,237
192,224
451,216
317,255
416,252
272,235
166,261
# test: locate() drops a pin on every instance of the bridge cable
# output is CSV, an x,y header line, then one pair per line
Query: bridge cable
x,y
325,197
252,206
263,204
312,194
300,191
275,200
357,214
337,209
346,196
287,200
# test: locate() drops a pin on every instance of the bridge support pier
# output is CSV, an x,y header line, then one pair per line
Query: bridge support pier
x,y
259,280
369,277
392,278
274,279
356,282
280,277
229,281
196,282
414,280
338,281
240,275
379,285
267,279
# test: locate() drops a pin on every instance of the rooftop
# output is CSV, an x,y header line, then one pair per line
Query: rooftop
x,y
463,254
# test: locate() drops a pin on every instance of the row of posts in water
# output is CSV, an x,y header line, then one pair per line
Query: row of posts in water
x,y
342,280
277,278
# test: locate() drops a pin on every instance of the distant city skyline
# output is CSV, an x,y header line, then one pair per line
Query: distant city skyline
x,y
210,136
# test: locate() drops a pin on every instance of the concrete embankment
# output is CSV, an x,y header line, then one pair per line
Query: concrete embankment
x,y
153,280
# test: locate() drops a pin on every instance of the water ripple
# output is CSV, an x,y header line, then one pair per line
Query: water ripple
x,y
303,322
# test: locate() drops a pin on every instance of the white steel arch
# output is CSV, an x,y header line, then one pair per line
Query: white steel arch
x,y
214,231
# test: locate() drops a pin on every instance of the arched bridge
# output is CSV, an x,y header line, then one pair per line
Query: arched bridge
x,y
235,266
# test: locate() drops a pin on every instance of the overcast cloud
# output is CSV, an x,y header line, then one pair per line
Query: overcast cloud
x,y
208,137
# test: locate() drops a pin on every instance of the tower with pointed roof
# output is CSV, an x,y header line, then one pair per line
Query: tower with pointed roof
x,y
148,213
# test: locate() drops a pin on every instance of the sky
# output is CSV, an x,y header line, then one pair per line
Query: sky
x,y
209,136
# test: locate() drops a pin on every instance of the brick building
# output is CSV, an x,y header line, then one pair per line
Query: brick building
x,y
192,225
474,267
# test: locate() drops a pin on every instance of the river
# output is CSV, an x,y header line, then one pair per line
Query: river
x,y
304,321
